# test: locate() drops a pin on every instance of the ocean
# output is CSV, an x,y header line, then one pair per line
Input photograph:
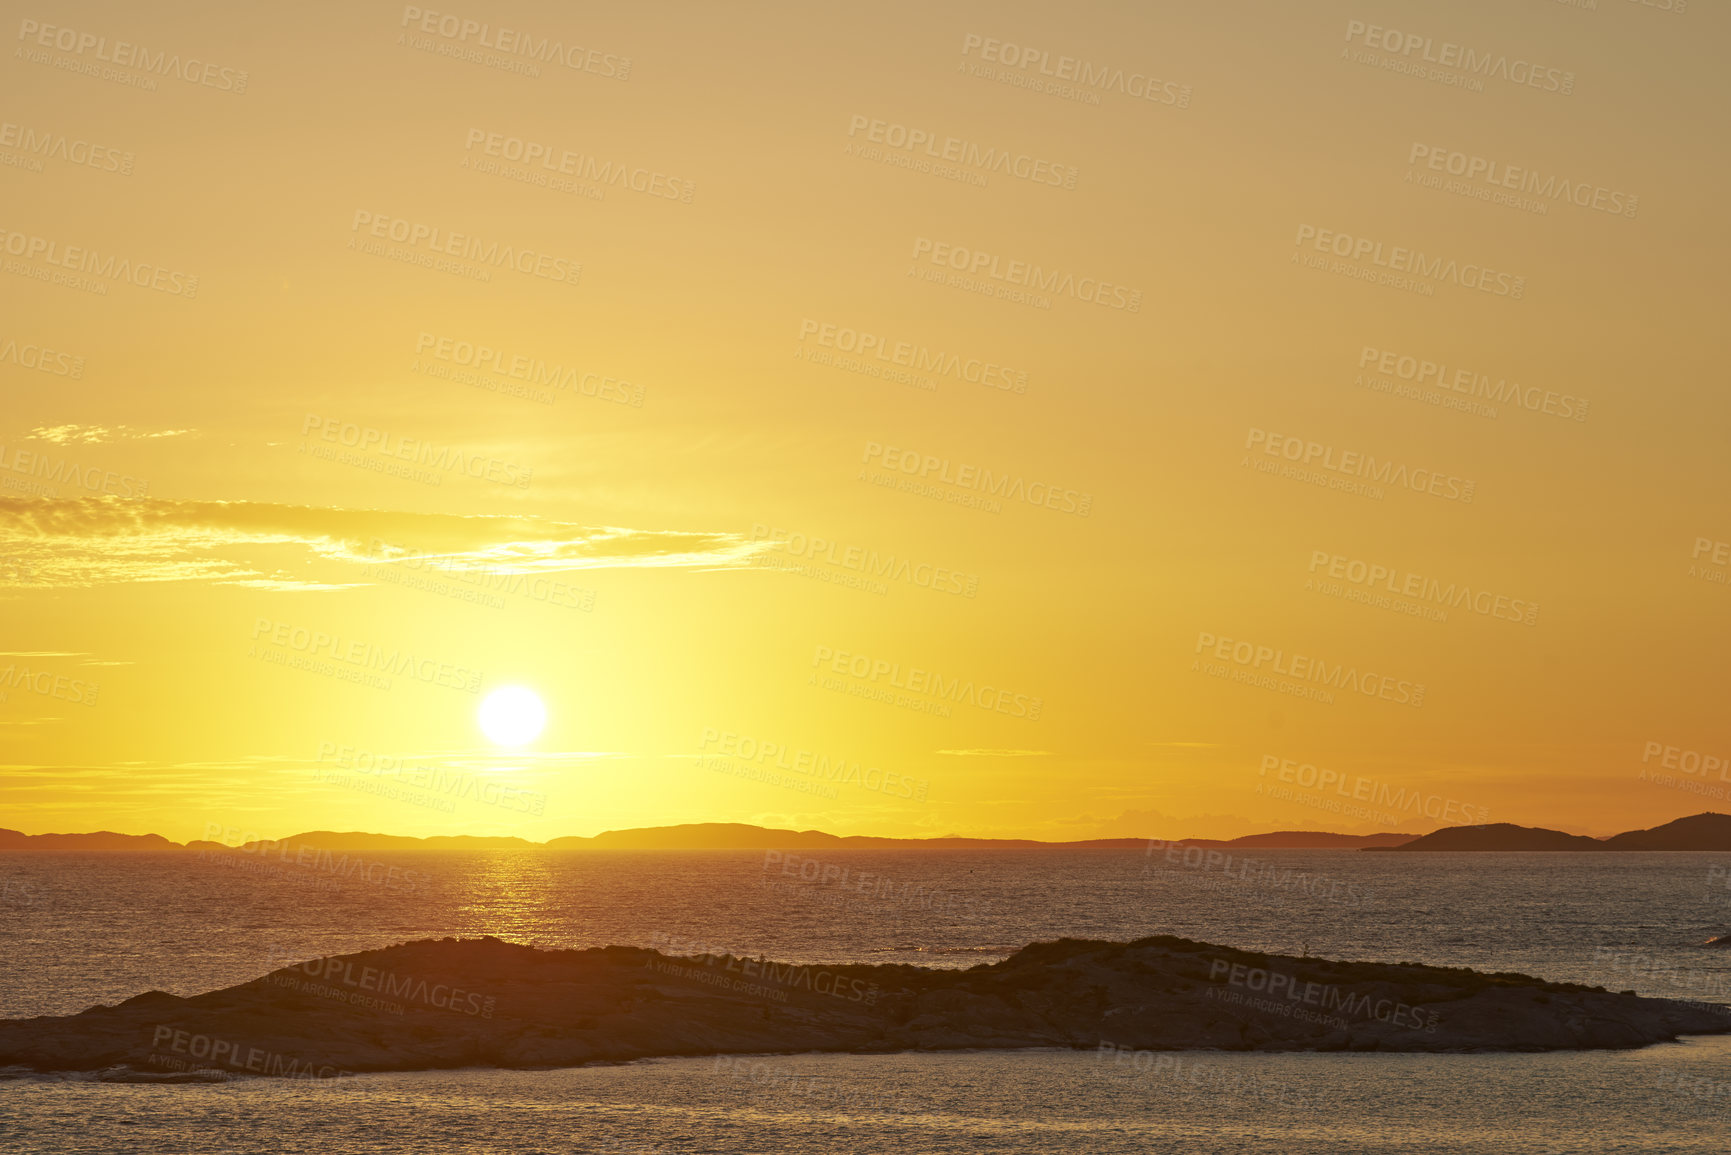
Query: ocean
x,y
82,929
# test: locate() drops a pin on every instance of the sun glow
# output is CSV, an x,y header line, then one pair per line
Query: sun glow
x,y
512,716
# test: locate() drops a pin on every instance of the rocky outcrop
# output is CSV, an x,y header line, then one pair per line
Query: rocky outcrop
x,y
487,1003
1498,836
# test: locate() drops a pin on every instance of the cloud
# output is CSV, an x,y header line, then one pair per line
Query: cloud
x,y
97,434
96,540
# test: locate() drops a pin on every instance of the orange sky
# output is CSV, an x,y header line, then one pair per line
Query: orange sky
x,y
1003,421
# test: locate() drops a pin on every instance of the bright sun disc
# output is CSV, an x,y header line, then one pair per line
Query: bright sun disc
x,y
512,715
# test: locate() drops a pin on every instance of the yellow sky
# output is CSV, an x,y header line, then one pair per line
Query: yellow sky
x,y
985,422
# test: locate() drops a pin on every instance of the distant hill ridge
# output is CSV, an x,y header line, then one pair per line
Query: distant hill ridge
x,y
99,840
689,836
1707,831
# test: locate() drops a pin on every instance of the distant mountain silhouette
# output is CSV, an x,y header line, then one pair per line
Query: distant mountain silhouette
x,y
1309,840
1707,831
100,840
688,836
360,840
1697,832
735,835
1500,836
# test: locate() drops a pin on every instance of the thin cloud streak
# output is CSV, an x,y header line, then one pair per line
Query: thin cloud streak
x,y
101,540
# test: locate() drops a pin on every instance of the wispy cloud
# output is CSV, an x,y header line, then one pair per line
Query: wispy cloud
x,y
97,434
285,583
97,540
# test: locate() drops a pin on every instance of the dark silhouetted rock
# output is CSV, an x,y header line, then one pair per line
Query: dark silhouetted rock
x,y
487,1003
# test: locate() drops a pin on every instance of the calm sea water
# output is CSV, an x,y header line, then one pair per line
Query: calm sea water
x,y
80,929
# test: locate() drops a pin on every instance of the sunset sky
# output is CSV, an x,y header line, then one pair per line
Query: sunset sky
x,y
271,527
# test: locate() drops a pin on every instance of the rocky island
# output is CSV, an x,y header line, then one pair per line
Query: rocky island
x,y
488,1003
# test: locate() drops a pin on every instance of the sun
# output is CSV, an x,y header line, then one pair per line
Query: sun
x,y
512,715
